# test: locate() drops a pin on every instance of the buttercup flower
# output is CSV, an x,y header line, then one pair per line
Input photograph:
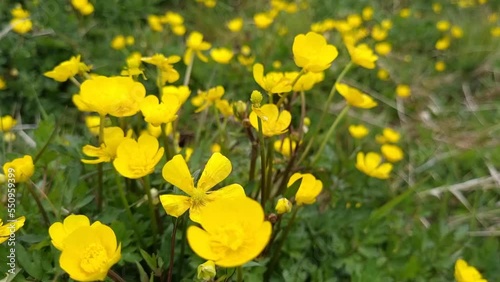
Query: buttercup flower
x,y
363,56
440,66
263,20
3,85
67,69
7,123
180,92
372,165
93,123
235,24
312,52
358,131
23,168
383,48
392,153
309,188
305,81
457,32
165,65
154,23
206,271
283,206
403,90
221,55
21,22
205,99
156,112
106,152
117,96
224,107
176,172
285,146
389,135
443,43
10,227
272,82
273,121
87,251
195,44
234,232
118,42
467,273
135,159
83,6
354,97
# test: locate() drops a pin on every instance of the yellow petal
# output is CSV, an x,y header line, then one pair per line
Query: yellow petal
x,y
258,74
175,205
199,241
217,169
176,172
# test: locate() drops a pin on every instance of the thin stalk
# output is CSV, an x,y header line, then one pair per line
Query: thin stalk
x,y
75,82
183,242
189,69
172,251
325,110
159,84
152,214
220,127
168,151
115,277
240,273
329,134
269,173
39,204
39,104
130,216
42,150
253,153
262,164
99,167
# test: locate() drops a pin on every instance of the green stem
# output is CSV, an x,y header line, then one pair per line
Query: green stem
x,y
42,150
189,69
159,83
183,242
240,273
325,111
172,251
115,277
220,127
38,203
99,166
130,216
262,164
329,134
152,214
168,151
269,173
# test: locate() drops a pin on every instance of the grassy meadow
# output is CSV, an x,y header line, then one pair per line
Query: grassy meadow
x,y
232,140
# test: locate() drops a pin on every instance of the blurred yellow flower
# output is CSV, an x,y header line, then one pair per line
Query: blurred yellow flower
x,y
235,24
67,69
436,7
285,146
3,85
156,112
372,165
224,107
354,97
389,135
443,43
383,74
386,24
116,96
362,55
234,232
178,29
154,23
195,44
367,13
379,33
403,90
392,153
273,121
19,13
443,25
135,159
206,271
495,31
118,42
272,82
92,123
215,148
305,81
309,188
358,131
440,66
221,55
180,92
467,273
312,53
10,227
130,40
106,152
21,26
263,20
405,12
83,6
165,65
283,205
172,18
88,251
176,172
205,99
9,137
7,123
457,32
383,48
22,168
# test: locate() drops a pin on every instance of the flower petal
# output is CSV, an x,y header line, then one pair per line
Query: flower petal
x,y
217,169
175,205
176,172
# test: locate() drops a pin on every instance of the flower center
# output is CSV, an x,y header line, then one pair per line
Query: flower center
x,y
228,238
198,197
94,258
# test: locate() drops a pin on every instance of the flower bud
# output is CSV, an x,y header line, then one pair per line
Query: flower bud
x,y
256,98
206,271
239,109
283,206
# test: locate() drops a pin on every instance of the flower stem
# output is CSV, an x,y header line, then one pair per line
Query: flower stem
x,y
115,277
269,173
240,273
262,164
99,166
331,130
38,203
189,69
172,251
325,110
130,216
168,152
152,214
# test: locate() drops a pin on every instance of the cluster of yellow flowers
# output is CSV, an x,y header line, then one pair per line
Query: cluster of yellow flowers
x,y
83,6
21,22
174,20
6,124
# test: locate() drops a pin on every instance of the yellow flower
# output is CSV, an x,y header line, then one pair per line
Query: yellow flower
x,y
372,165
154,23
9,137
443,25
272,82
206,271
3,85
88,251
10,227
130,40
215,148
443,43
135,159
7,123
156,112
22,168
457,32
362,55
67,69
176,172
495,31
379,33
19,13
467,273
173,18
263,20
309,188
224,107
178,30
87,9
221,55
403,90
354,97
440,66
92,123
21,26
383,48
133,65
196,44
116,96
180,92
383,74
106,152
83,6
234,232
392,153
205,99
273,121
283,205
235,24
118,42
285,146
60,231
389,135
165,65
358,131
405,13
312,53
305,81
436,7
387,24
367,13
